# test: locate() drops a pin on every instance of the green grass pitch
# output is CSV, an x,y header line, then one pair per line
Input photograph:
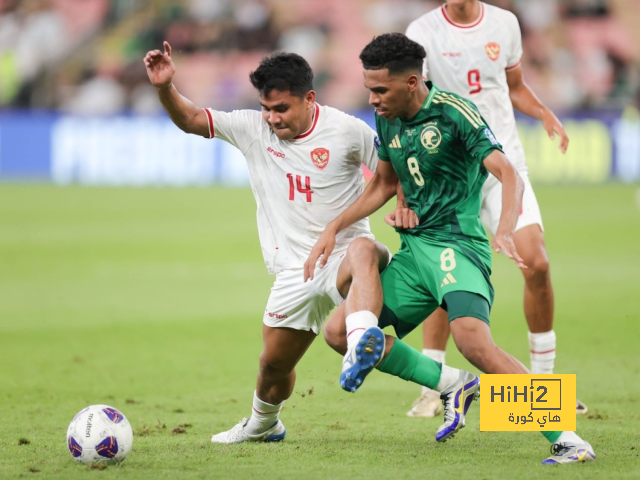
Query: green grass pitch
x,y
150,300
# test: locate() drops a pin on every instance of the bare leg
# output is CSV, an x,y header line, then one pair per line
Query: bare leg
x,y
538,292
283,349
538,298
435,330
359,276
358,280
335,330
473,339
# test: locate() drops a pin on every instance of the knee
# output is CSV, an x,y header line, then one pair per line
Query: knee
x,y
538,267
335,338
363,251
272,367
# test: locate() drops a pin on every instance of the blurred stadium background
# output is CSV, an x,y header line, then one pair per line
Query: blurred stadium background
x,y
77,106
150,298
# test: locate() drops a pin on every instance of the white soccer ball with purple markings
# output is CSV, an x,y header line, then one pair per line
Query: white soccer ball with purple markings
x,y
99,433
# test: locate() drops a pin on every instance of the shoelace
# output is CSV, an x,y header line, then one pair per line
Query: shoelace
x,y
448,413
559,448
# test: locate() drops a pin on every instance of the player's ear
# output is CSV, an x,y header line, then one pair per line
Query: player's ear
x,y
310,97
412,82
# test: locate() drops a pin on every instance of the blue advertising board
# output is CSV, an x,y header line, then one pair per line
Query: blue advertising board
x,y
151,151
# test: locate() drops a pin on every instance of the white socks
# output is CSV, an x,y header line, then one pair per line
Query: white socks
x,y
570,437
263,416
542,348
357,323
438,356
448,377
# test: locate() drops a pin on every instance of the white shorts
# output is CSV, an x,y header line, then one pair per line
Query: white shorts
x,y
492,205
303,306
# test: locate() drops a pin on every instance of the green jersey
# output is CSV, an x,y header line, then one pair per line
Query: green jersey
x,y
438,157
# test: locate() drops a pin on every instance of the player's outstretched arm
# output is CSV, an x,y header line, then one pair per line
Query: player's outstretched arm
x,y
187,116
526,101
512,190
380,189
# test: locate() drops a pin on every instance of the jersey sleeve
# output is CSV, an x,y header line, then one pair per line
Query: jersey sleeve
x,y
383,152
417,34
515,53
238,127
473,131
364,144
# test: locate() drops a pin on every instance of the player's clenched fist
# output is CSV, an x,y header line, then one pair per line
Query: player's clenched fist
x,y
160,67
402,217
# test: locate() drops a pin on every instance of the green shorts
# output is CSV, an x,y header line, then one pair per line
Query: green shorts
x,y
423,272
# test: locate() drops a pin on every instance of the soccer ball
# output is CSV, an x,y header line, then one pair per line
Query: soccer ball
x,y
99,433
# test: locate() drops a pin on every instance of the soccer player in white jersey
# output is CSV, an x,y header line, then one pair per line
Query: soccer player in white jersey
x,y
305,165
474,50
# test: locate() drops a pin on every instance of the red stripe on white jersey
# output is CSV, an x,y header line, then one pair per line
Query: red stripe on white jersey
x,y
315,120
210,119
513,67
460,25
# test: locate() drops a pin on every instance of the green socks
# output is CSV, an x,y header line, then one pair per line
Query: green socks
x,y
551,436
410,365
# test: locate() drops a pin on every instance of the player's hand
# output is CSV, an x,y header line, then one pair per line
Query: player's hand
x,y
554,126
322,249
160,67
402,217
503,243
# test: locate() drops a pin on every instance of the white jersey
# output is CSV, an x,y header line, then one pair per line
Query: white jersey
x,y
302,184
472,60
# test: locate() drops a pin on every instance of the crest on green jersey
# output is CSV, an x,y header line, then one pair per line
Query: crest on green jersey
x,y
430,137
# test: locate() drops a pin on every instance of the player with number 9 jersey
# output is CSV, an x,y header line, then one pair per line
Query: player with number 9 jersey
x,y
472,60
474,50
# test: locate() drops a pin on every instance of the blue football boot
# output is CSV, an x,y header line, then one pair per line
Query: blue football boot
x,y
361,358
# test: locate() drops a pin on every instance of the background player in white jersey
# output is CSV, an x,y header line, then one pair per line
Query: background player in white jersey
x,y
474,50
305,164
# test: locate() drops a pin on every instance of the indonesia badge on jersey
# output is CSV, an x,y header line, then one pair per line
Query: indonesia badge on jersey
x,y
320,157
493,50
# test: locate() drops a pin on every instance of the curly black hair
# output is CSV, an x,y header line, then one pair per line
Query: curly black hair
x,y
393,51
285,72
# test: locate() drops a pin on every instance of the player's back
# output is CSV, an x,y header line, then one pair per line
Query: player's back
x,y
472,60
302,184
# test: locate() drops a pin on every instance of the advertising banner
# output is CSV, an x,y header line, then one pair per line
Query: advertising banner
x,y
150,151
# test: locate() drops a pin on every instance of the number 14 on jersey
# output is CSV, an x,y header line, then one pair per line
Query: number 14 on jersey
x,y
306,190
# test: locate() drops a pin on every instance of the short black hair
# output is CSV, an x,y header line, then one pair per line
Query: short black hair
x,y
285,72
393,51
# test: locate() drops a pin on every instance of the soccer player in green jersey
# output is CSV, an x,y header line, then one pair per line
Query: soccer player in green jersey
x,y
438,146
475,50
